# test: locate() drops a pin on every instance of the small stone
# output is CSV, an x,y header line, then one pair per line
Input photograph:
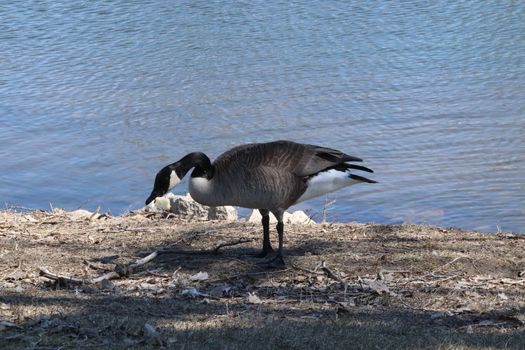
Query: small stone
x,y
107,285
254,299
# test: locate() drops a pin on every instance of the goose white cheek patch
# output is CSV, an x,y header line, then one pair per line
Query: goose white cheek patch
x,y
174,179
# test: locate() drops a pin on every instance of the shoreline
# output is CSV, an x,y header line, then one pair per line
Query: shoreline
x,y
397,286
317,217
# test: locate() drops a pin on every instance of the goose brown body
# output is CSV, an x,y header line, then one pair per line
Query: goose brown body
x,y
253,175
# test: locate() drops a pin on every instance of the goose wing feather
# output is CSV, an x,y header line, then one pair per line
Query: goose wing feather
x,y
299,159
316,159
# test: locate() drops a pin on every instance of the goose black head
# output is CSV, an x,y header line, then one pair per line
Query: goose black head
x,y
166,179
170,176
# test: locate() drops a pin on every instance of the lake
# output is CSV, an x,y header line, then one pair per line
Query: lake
x,y
97,96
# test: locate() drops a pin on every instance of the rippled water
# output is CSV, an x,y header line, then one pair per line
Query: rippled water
x,y
96,96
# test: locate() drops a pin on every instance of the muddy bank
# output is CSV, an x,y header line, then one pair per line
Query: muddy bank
x,y
372,286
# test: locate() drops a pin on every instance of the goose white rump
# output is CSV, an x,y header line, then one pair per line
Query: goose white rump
x,y
326,182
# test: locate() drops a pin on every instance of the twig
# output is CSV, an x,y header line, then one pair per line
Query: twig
x,y
93,265
446,279
213,251
94,214
125,270
249,274
327,204
240,241
443,266
330,273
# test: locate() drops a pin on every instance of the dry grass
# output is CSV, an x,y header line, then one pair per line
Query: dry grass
x,y
381,286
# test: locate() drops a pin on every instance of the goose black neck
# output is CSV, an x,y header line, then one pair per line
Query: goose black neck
x,y
200,162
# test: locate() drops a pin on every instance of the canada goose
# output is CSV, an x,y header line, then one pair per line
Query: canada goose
x,y
266,176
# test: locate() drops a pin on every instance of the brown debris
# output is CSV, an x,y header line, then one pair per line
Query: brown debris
x,y
154,280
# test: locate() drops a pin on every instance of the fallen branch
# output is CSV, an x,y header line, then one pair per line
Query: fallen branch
x,y
125,270
60,279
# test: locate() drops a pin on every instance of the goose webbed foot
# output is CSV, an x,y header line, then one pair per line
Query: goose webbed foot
x,y
276,262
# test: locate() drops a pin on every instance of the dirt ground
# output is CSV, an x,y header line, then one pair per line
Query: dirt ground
x,y
345,286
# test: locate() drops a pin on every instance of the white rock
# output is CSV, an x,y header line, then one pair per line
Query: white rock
x,y
185,207
256,217
297,217
227,213
82,214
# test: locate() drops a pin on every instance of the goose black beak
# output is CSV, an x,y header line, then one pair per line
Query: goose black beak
x,y
152,196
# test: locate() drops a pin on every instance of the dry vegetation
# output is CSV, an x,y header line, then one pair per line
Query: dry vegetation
x,y
345,286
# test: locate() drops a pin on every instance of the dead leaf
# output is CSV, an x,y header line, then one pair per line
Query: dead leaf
x,y
220,291
377,286
440,314
201,276
152,333
150,330
194,293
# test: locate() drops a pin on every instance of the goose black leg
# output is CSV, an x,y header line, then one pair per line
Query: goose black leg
x,y
278,261
267,246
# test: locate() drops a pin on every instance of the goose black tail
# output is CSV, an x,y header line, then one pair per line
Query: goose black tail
x,y
361,178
